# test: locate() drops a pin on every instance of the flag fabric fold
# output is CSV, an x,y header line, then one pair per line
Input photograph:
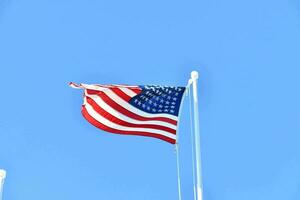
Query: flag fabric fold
x,y
149,110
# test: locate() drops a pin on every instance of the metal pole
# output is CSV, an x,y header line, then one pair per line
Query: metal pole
x,y
178,171
177,145
194,77
2,178
192,138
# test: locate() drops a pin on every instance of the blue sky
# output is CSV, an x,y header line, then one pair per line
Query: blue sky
x,y
247,53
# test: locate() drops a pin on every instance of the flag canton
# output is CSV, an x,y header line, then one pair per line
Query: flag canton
x,y
158,99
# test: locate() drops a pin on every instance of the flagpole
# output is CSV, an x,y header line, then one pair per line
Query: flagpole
x,y
194,78
2,177
178,171
192,138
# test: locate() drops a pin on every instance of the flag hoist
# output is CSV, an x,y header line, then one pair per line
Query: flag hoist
x,y
144,110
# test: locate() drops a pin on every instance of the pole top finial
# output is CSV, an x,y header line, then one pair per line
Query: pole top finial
x,y
2,174
194,75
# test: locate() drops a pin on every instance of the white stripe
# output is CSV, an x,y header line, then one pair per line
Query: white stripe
x,y
93,87
129,107
117,85
74,85
110,124
128,86
100,87
128,92
123,117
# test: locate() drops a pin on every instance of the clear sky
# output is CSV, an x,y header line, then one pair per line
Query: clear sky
x,y
247,53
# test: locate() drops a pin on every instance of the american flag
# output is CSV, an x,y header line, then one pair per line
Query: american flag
x,y
149,110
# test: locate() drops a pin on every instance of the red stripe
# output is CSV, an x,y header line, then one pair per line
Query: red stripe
x,y
118,91
126,112
119,86
99,125
89,91
136,90
121,94
116,120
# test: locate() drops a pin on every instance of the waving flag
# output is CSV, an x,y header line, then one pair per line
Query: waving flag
x,y
133,110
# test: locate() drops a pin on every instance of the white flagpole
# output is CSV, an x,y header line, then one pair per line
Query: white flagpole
x,y
2,178
178,171
194,78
